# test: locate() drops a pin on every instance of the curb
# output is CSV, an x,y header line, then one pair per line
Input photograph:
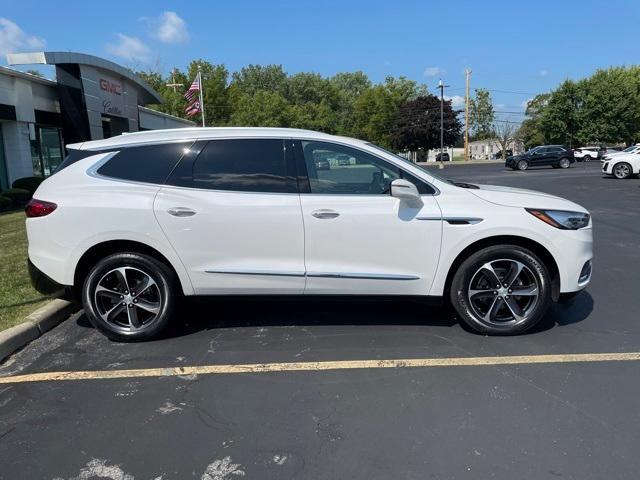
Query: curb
x,y
36,324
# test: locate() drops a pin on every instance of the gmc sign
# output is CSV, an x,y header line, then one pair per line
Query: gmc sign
x,y
110,87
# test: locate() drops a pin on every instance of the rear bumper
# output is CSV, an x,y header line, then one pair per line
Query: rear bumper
x,y
43,283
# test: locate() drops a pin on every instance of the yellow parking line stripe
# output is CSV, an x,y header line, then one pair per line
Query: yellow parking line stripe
x,y
321,366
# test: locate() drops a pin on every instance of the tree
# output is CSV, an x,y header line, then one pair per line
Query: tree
x,y
505,135
482,114
559,118
262,109
417,124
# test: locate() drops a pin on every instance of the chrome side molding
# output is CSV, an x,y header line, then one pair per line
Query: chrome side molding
x,y
347,275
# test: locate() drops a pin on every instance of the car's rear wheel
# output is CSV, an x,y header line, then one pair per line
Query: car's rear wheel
x,y
130,296
622,170
522,165
564,163
501,290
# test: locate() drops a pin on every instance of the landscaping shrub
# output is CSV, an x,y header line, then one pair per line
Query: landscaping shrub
x,y
5,203
17,196
27,183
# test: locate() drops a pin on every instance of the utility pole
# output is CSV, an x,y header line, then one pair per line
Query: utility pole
x,y
173,84
467,73
441,86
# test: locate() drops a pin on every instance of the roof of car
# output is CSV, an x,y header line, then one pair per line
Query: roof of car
x,y
196,133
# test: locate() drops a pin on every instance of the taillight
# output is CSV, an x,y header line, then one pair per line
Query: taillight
x,y
39,208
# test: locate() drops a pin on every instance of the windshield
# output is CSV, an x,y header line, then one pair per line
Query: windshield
x,y
630,149
405,160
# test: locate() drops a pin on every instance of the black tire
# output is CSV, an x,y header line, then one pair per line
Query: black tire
x,y
586,158
564,163
160,293
622,171
555,166
472,270
522,165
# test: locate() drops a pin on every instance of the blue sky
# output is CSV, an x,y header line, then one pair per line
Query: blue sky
x,y
511,46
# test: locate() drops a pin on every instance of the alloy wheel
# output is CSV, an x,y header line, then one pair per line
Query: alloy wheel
x,y
564,163
128,299
621,170
503,292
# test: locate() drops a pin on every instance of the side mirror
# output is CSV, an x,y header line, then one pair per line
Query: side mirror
x,y
407,192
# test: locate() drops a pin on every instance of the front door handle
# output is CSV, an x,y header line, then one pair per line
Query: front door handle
x,y
181,212
324,213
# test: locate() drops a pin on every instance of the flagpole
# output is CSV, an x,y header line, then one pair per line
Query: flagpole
x,y
201,96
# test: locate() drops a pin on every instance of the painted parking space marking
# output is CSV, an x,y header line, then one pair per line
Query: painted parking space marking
x,y
322,366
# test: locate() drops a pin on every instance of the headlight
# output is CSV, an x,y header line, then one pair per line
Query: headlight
x,y
561,219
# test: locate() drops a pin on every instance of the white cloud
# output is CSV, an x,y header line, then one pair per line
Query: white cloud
x,y
457,101
434,71
14,39
129,48
500,106
543,72
169,28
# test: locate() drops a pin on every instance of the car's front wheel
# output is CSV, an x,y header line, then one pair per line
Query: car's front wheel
x,y
130,296
586,158
622,170
501,290
522,165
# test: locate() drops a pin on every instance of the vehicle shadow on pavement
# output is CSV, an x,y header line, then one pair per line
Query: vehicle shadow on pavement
x,y
211,313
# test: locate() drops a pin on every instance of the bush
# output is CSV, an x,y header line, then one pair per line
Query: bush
x,y
5,203
28,183
17,196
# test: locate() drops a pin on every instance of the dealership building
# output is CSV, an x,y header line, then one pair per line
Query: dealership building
x,y
91,98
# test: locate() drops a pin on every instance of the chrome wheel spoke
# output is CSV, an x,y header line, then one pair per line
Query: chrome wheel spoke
x,y
134,321
530,291
483,293
514,273
100,290
148,306
114,311
490,316
121,273
491,274
148,283
515,309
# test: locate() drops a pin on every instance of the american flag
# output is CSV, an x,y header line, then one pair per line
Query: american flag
x,y
192,109
193,89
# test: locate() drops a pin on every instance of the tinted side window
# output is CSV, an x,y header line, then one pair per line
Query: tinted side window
x,y
341,170
243,165
73,157
149,163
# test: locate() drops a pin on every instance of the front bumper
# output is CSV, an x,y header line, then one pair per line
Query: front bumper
x,y
606,167
43,283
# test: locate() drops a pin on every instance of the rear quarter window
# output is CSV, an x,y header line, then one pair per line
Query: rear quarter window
x,y
74,156
148,163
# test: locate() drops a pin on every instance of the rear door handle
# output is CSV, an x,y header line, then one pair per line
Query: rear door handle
x,y
324,213
181,212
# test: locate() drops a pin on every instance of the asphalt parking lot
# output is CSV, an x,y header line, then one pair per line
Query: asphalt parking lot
x,y
525,420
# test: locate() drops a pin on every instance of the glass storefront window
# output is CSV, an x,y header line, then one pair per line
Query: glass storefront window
x,y
4,177
46,150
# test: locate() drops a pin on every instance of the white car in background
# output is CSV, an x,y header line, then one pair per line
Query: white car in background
x,y
623,165
132,223
586,154
632,149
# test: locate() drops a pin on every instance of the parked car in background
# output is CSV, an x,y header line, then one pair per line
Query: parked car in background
x,y
322,164
586,154
134,222
623,165
556,156
508,153
612,149
631,149
442,157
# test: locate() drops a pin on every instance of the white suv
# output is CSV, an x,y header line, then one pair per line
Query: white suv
x,y
134,222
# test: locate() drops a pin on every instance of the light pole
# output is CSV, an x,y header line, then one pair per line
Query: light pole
x,y
441,86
